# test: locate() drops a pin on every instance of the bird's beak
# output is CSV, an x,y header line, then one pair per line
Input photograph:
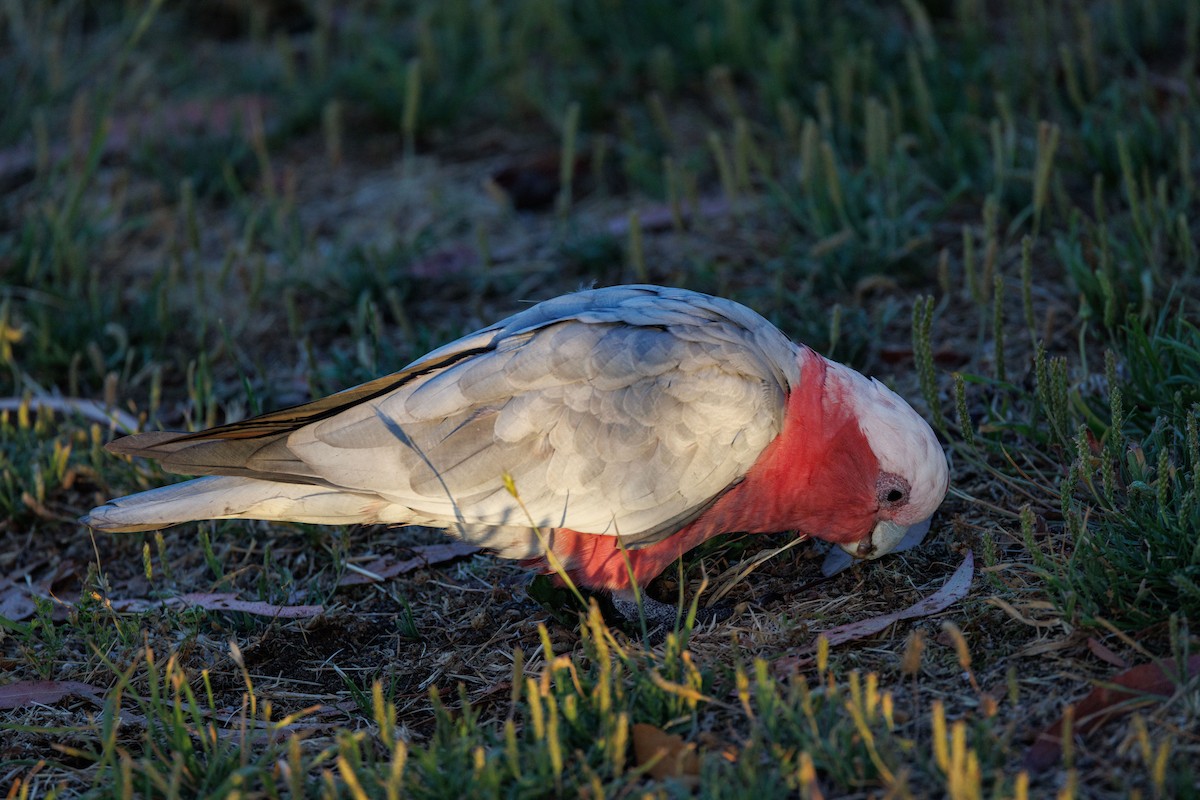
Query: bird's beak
x,y
888,537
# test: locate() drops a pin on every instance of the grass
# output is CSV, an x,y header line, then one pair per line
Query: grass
x,y
992,209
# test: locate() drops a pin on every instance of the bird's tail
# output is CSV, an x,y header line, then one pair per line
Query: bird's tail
x,y
223,497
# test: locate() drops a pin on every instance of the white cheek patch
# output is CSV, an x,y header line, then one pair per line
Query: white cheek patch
x,y
903,442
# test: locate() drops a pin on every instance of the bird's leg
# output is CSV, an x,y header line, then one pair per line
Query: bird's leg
x,y
657,613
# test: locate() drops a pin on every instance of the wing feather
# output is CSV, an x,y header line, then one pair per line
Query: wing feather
x,y
624,410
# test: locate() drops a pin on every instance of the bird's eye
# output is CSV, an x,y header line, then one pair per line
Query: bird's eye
x,y
891,490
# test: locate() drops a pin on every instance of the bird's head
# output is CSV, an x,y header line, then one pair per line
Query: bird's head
x,y
864,468
912,477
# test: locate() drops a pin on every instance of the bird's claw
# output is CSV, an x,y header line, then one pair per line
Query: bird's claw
x,y
658,614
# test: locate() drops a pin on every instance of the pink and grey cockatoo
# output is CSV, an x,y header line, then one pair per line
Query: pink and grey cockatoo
x,y
634,418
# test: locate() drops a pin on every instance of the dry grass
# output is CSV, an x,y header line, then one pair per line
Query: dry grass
x,y
196,276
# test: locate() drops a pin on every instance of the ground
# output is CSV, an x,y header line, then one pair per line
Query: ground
x,y
992,209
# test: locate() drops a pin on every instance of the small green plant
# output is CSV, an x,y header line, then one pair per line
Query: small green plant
x,y
833,167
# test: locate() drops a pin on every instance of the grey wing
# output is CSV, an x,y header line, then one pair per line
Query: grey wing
x,y
605,425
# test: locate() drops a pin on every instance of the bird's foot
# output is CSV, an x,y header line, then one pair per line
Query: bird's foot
x,y
623,609
658,614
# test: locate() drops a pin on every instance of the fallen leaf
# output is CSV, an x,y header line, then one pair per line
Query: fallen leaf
x,y
952,591
1043,646
229,602
15,604
217,601
426,556
1104,654
1125,692
22,693
665,755
18,592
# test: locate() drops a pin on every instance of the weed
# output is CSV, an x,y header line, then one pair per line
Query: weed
x,y
990,207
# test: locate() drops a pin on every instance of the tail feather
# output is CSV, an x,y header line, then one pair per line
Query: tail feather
x,y
222,497
265,457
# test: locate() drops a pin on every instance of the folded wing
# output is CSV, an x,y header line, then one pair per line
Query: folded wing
x,y
616,411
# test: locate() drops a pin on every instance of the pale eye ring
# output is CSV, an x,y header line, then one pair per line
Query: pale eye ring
x,y
891,490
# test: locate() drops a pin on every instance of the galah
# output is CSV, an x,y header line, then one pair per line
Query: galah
x,y
618,428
